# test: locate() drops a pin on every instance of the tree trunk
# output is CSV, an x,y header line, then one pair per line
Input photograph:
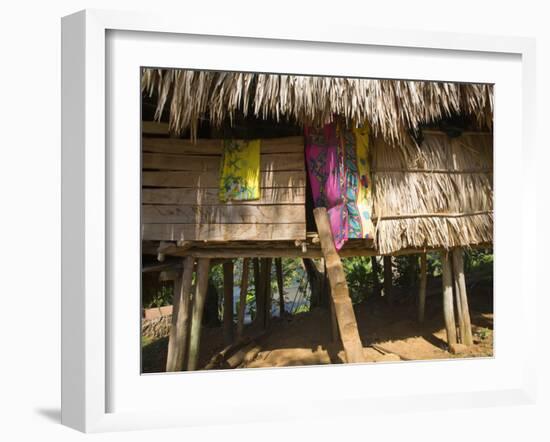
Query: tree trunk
x,y
258,293
242,298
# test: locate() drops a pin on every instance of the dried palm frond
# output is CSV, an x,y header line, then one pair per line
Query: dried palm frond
x,y
437,194
392,107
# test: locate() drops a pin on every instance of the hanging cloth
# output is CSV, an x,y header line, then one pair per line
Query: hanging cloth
x,y
240,170
338,170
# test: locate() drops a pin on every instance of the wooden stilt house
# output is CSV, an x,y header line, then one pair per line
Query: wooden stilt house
x,y
430,161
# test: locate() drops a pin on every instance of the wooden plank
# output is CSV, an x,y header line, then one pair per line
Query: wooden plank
x,y
181,319
154,128
203,197
347,324
212,179
204,163
214,146
422,287
223,232
233,214
448,308
228,302
203,267
458,265
242,298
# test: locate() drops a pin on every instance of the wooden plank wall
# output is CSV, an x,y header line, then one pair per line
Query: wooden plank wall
x,y
180,200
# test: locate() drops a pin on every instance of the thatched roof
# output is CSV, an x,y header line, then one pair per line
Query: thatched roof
x,y
392,107
437,194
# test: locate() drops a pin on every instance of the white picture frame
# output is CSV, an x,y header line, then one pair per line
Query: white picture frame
x,y
89,321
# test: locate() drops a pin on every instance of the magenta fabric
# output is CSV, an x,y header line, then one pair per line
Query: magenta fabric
x,y
331,159
324,171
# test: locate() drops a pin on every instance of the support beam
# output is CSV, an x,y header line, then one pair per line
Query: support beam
x,y
458,265
242,298
203,266
388,275
181,318
459,317
280,285
422,287
448,309
343,307
228,302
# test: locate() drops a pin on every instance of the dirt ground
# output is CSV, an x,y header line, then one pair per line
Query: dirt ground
x,y
388,333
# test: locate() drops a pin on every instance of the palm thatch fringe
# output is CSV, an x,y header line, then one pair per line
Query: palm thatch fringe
x,y
450,208
392,107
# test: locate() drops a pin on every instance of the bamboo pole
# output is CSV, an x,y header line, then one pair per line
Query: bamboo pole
x,y
228,302
458,264
181,318
422,287
345,316
448,310
280,285
242,299
201,286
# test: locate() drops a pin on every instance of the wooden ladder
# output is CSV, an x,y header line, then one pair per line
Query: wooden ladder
x,y
343,308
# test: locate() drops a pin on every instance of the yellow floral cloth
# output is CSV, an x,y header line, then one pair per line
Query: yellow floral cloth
x,y
240,170
364,193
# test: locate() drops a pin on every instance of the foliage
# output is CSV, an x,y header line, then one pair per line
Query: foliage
x,y
359,277
162,297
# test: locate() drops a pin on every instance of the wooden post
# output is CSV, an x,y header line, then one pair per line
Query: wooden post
x,y
345,316
203,267
280,284
375,274
422,287
257,286
181,318
266,280
242,299
228,302
388,274
459,316
333,322
448,310
458,264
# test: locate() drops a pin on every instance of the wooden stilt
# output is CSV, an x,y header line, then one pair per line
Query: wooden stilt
x,y
422,287
343,307
280,285
458,265
181,318
242,299
266,279
459,316
333,322
203,267
228,302
375,274
259,285
448,310
388,275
